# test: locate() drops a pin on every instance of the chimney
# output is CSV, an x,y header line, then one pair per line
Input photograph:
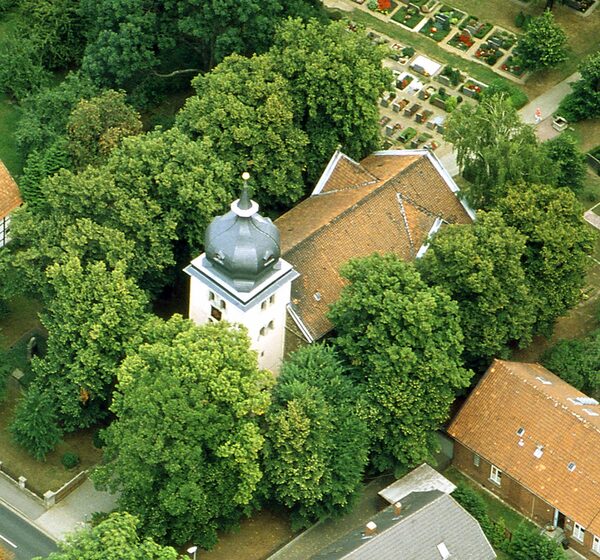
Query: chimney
x,y
397,508
370,529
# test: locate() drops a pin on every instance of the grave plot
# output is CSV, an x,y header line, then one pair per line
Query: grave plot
x,y
426,93
445,101
450,77
476,28
502,39
409,16
425,66
463,40
382,6
472,88
489,53
437,27
454,16
580,5
400,53
407,134
403,81
514,65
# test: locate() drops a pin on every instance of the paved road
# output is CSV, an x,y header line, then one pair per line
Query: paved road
x,y
22,538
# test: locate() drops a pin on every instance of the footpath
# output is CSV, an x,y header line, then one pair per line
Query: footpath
x,y
66,516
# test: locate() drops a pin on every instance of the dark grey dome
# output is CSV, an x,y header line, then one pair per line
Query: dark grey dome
x,y
242,245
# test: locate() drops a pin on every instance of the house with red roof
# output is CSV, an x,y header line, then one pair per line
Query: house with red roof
x,y
534,440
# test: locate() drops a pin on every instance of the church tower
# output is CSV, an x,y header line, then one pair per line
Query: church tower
x,y
241,278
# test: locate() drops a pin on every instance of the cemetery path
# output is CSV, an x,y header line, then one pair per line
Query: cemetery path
x,y
548,102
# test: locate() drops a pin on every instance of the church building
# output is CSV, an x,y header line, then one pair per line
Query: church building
x,y
279,279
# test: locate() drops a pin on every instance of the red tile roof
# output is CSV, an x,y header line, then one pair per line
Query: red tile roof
x,y
389,202
10,198
515,395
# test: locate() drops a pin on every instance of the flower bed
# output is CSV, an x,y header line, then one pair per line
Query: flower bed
x,y
407,135
514,66
382,6
477,28
454,75
408,16
434,31
489,53
462,41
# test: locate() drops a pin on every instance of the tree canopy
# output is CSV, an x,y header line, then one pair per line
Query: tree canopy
x,y
91,321
403,343
336,78
479,266
570,163
115,538
316,443
558,243
245,108
495,148
584,101
543,43
184,449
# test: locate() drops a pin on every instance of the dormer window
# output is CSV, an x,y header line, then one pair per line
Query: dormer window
x,y
520,431
539,451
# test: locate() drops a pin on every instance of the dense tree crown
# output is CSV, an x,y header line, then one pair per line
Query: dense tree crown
x,y
403,343
115,538
244,106
494,148
480,267
91,321
316,443
568,159
557,246
543,43
584,101
184,449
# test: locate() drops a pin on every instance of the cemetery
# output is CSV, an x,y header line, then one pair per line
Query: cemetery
x,y
489,52
463,40
513,65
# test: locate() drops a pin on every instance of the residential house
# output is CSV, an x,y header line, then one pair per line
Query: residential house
x,y
534,440
428,525
10,198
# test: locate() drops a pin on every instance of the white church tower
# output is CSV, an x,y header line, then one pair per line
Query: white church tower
x,y
241,278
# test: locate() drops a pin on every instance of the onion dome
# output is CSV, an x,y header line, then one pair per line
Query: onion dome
x,y
243,246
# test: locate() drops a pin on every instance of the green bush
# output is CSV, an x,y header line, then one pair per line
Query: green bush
x,y
98,439
70,460
515,95
528,544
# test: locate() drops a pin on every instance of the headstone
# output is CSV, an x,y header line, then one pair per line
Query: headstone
x,y
444,80
384,102
389,129
442,20
395,107
495,42
22,482
470,29
419,117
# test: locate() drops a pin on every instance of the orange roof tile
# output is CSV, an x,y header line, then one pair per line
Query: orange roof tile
x,y
514,395
387,203
10,198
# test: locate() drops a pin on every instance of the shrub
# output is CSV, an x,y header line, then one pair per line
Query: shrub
x,y
515,95
70,460
98,439
474,504
408,52
528,544
520,19
35,424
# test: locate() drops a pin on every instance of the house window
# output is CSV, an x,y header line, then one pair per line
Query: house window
x,y
263,305
222,304
596,544
4,230
578,532
496,475
272,299
211,296
215,313
476,459
262,331
271,325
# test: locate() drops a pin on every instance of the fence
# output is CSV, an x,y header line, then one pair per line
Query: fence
x,y
49,498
